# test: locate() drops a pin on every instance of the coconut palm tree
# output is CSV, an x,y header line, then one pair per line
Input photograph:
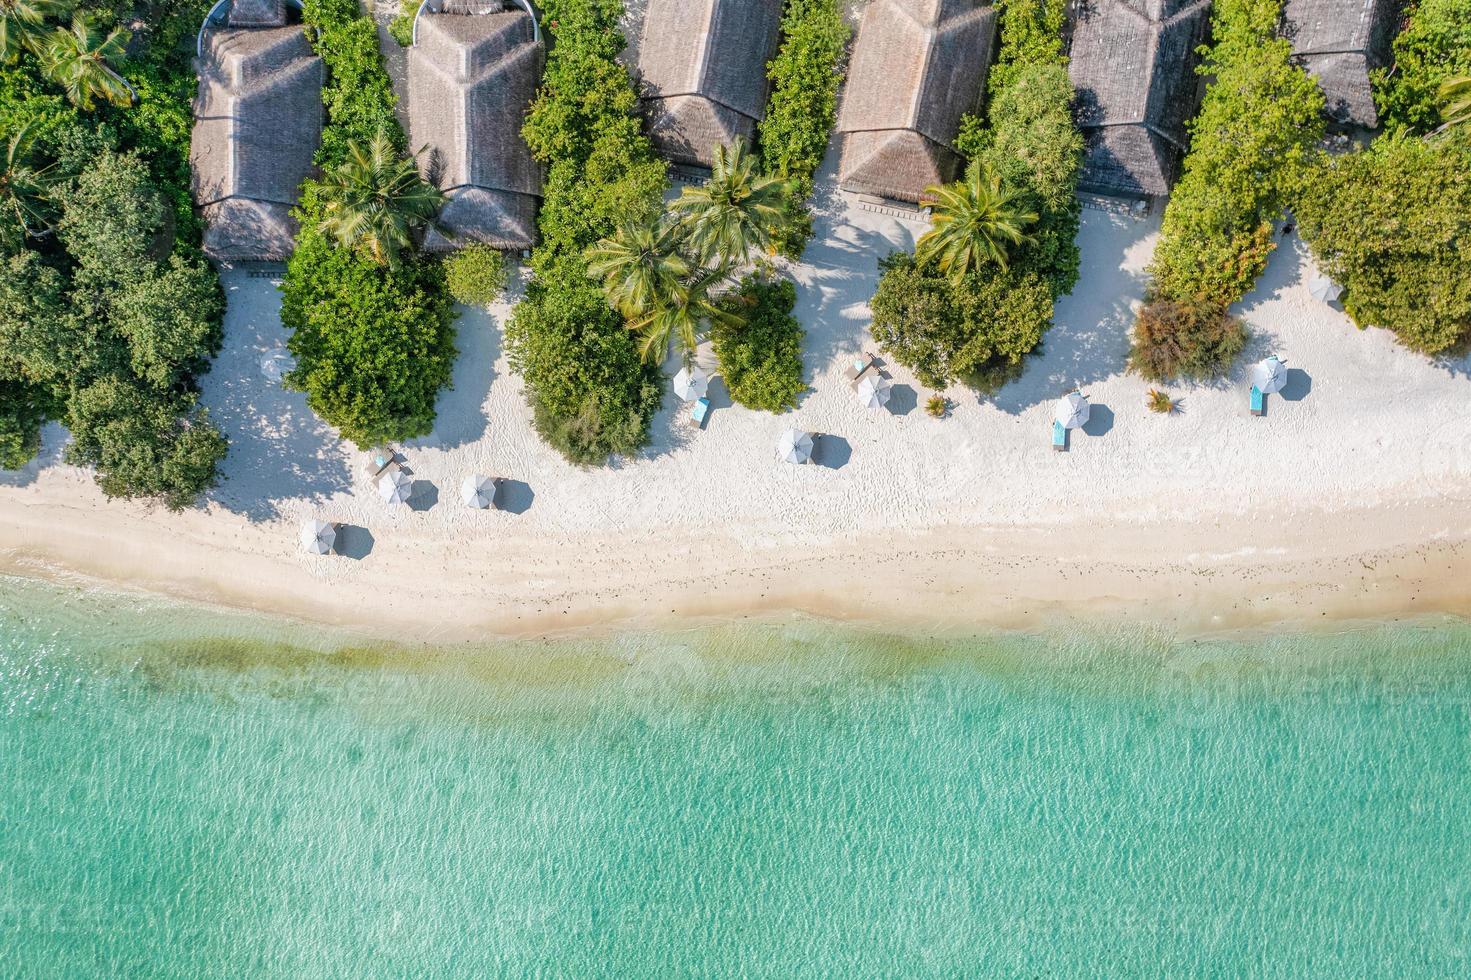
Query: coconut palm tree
x,y
737,210
24,186
77,60
375,200
682,315
637,265
22,24
973,221
1455,102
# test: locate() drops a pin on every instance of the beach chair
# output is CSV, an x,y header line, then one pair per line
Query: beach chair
x,y
699,412
1059,437
380,461
1258,401
859,366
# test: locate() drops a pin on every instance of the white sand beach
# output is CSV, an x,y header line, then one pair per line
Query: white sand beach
x,y
1347,498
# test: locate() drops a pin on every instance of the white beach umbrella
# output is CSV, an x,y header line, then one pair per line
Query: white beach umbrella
x,y
874,391
478,491
795,446
1324,289
318,537
1072,410
691,383
1269,375
395,487
274,364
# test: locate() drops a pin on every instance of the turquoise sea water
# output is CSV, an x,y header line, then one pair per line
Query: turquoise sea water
x,y
184,794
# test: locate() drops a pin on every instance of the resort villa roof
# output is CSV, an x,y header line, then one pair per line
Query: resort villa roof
x,y
1133,66
703,64
471,78
1339,41
257,124
918,66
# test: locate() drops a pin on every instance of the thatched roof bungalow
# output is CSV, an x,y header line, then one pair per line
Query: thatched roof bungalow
x,y
1339,42
1133,65
472,77
703,64
918,66
257,124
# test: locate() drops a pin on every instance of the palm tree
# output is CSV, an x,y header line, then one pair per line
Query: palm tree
x,y
24,186
682,314
22,23
638,265
973,221
375,200
1455,102
77,60
738,209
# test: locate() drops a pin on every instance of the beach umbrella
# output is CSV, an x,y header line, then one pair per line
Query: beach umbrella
x,y
478,491
274,364
874,391
691,383
395,487
1072,410
1269,375
795,446
318,537
1324,289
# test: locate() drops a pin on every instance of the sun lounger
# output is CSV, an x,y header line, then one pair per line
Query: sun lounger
x,y
860,366
379,462
1059,437
699,412
1258,401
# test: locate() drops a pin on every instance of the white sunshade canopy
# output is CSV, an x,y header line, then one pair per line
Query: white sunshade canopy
x,y
318,537
274,364
478,491
1072,410
1324,289
1269,375
691,383
396,487
874,391
795,446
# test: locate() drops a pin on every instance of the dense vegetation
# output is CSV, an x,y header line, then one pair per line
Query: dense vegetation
x,y
1257,130
591,393
372,319
1434,47
761,357
476,275
1392,223
980,294
805,77
108,311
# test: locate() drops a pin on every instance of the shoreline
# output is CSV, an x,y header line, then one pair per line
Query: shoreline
x,y
1211,578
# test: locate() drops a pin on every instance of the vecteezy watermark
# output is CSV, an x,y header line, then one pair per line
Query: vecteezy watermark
x,y
1450,921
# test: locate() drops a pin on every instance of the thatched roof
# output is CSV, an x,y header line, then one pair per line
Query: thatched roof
x,y
471,79
918,66
1339,41
1133,65
257,124
703,64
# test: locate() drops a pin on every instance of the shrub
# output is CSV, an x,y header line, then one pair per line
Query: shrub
x,y
761,361
591,394
1435,46
1391,225
23,410
1196,339
358,96
937,406
1159,402
1257,129
401,28
946,331
476,275
373,344
805,76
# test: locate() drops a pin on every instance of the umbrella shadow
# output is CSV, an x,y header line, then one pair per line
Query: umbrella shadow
x,y
422,496
1297,386
832,452
1100,420
354,542
514,496
903,399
